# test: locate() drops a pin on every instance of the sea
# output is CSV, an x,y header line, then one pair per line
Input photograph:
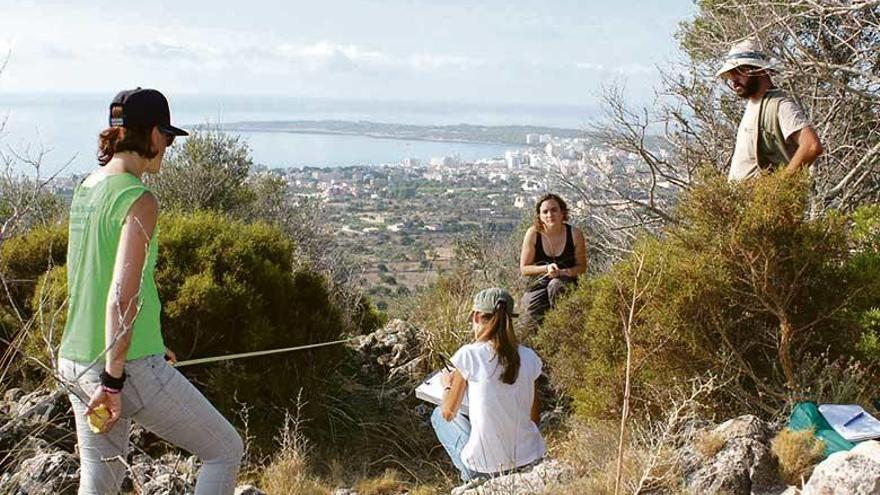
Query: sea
x,y
62,129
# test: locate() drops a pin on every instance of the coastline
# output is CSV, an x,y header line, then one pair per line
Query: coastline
x,y
371,135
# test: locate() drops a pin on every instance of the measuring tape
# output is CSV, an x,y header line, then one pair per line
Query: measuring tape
x,y
230,357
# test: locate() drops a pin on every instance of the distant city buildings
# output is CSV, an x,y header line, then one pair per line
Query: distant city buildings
x,y
513,181
445,161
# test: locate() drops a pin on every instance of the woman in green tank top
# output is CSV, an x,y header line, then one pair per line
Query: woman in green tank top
x,y
112,347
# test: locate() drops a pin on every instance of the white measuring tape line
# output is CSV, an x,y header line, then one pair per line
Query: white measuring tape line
x,y
230,357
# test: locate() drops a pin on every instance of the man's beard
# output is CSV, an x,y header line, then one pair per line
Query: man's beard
x,y
752,85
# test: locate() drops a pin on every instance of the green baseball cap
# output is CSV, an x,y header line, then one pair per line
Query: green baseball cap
x,y
486,300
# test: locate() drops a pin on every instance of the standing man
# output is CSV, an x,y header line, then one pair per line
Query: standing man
x,y
773,132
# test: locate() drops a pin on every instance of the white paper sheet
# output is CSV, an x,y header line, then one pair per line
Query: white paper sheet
x,y
431,390
865,427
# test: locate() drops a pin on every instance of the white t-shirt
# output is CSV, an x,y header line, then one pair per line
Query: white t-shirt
x,y
744,164
503,436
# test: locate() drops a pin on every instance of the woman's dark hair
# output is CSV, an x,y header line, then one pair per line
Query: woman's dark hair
x,y
117,139
539,226
498,329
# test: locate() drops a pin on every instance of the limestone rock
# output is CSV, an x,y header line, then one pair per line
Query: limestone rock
x,y
394,347
168,475
744,465
856,472
535,480
248,490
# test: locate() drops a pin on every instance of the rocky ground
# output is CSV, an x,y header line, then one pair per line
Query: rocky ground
x,y
37,445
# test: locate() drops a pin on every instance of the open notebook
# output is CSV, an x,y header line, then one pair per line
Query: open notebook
x,y
864,427
431,390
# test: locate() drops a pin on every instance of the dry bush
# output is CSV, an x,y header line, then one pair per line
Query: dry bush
x,y
440,313
590,449
652,456
798,453
840,380
288,473
588,445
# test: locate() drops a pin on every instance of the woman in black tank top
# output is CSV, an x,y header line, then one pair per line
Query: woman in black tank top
x,y
553,255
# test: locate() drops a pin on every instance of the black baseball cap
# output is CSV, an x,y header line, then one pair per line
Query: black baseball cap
x,y
144,108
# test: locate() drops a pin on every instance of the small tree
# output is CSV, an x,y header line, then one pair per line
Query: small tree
x,y
207,171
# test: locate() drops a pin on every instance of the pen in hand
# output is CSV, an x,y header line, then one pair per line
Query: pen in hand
x,y
446,362
850,420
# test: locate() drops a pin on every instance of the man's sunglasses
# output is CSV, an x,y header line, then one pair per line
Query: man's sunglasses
x,y
169,139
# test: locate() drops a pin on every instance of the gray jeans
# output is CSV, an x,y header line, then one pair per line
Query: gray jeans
x,y
163,401
538,300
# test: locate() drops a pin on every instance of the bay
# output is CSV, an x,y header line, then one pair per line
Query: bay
x,y
65,127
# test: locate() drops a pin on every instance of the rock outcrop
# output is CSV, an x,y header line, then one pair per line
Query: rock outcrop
x,y
395,348
55,473
38,428
856,472
743,465
535,480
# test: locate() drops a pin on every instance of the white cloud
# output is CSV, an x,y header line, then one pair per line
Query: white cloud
x,y
334,48
590,66
167,51
431,62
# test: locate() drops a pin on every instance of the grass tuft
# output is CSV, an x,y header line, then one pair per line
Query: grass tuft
x,y
798,453
390,483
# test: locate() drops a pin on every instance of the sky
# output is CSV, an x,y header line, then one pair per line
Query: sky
x,y
481,51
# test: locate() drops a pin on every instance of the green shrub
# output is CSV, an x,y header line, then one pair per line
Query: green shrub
x,y
864,267
48,308
24,258
866,228
743,286
228,287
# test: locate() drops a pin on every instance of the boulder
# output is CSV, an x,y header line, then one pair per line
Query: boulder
x,y
743,465
535,480
856,472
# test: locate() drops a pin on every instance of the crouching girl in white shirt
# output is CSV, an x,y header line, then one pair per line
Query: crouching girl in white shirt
x,y
498,374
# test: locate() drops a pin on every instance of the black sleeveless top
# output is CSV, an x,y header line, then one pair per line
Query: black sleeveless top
x,y
564,260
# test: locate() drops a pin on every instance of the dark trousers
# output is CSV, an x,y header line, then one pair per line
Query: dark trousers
x,y
538,299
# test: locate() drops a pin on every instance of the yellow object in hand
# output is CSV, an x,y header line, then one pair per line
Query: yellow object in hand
x,y
98,419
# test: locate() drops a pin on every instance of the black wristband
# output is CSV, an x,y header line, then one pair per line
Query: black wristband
x,y
110,381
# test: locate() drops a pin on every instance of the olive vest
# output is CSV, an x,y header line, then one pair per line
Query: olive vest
x,y
771,148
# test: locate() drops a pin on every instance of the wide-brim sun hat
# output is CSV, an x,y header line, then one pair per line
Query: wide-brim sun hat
x,y
746,52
